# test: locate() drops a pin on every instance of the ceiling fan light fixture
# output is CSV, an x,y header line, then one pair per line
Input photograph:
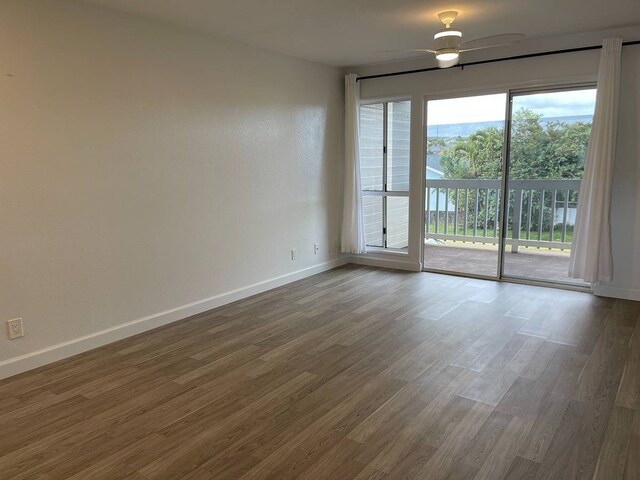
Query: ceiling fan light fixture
x,y
447,40
447,54
447,33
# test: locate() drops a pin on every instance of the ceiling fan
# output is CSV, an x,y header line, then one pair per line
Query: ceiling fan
x,y
449,46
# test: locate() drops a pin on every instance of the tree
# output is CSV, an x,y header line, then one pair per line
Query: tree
x,y
566,149
477,156
552,151
435,144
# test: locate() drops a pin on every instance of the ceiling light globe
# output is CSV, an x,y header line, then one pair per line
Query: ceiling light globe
x,y
447,55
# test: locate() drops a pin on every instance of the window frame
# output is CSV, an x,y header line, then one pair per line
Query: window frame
x,y
385,192
583,81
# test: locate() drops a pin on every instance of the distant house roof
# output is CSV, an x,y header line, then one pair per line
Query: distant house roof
x,y
434,166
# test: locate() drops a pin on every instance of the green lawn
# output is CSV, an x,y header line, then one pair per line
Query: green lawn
x,y
546,235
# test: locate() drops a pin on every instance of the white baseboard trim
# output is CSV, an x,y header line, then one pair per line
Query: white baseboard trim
x,y
29,361
616,292
390,261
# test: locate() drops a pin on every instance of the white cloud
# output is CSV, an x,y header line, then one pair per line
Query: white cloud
x,y
558,104
481,108
486,108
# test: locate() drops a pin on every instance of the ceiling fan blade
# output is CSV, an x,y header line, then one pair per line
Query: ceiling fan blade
x,y
492,41
423,50
480,48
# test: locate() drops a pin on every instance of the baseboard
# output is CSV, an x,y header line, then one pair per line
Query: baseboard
x,y
616,292
390,261
23,363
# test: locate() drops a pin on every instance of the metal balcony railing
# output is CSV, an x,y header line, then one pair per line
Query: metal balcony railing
x,y
539,213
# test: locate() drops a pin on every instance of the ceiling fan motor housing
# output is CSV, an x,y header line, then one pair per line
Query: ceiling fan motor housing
x,y
448,39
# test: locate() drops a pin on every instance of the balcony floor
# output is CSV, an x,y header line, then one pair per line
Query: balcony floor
x,y
482,260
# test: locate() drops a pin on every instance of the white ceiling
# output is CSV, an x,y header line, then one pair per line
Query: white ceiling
x,y
357,32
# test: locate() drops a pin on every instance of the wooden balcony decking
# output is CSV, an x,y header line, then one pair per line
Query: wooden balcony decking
x,y
541,264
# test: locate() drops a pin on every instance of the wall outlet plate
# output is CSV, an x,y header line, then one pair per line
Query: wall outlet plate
x,y
14,328
293,254
316,248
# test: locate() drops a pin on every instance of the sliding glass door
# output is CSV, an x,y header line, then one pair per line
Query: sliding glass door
x,y
467,197
465,137
548,142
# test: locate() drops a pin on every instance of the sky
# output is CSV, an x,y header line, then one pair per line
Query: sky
x,y
485,108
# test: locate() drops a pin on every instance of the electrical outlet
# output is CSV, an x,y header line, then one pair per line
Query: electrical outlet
x,y
14,328
316,248
293,254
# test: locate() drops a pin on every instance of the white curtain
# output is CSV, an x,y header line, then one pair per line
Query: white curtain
x,y
353,240
591,248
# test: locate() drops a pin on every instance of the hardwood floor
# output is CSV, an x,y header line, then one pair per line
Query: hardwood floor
x,y
357,373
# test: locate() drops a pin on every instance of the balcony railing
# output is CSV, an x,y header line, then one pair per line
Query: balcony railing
x,y
539,213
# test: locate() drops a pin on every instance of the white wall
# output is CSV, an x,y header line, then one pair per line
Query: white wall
x,y
145,167
625,201
573,67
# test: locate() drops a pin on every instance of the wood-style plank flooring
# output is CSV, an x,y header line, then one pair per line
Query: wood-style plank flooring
x,y
356,373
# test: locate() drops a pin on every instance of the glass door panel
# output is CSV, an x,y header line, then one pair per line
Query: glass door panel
x,y
548,143
465,137
399,145
385,141
398,222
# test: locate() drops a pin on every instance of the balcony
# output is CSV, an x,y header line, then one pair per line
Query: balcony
x,y
462,227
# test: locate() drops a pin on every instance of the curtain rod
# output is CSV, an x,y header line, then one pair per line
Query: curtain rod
x,y
494,60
